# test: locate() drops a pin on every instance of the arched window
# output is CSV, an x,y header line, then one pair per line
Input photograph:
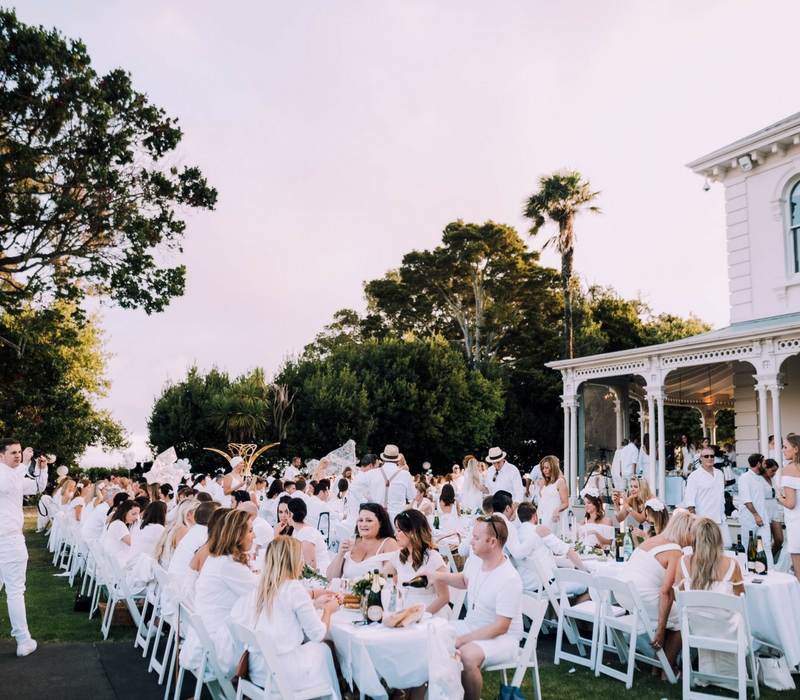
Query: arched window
x,y
794,224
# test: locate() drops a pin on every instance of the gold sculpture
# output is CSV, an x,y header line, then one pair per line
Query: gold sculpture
x,y
248,452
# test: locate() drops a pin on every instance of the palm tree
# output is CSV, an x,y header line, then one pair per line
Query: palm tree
x,y
561,196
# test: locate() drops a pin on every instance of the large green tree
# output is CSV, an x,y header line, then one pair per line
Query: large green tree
x,y
91,193
561,197
48,396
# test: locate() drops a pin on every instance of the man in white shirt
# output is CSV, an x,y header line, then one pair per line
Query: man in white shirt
x,y
195,538
390,485
753,513
630,460
491,632
318,502
503,476
616,467
503,505
705,493
14,484
293,470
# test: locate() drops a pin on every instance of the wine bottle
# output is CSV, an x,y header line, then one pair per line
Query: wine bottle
x,y
391,606
741,554
620,554
761,559
627,545
435,522
417,582
374,603
751,554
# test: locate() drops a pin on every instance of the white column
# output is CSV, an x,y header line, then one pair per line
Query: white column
x,y
661,452
573,448
642,419
618,417
763,425
775,392
566,407
651,411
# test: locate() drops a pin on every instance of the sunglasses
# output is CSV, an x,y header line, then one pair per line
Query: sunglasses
x,y
489,519
708,456
494,478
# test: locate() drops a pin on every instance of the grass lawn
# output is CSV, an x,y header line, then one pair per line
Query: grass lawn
x,y
51,618
50,600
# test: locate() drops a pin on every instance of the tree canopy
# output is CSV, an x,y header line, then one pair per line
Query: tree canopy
x,y
91,192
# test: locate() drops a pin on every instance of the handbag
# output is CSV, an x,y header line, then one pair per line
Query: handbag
x,y
510,692
773,670
83,603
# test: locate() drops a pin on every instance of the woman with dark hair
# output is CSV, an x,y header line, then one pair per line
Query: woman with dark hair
x,y
418,552
448,505
117,537
269,506
144,538
224,579
708,569
284,525
315,551
374,543
596,528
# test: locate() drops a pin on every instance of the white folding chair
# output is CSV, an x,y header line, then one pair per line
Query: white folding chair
x,y
119,591
162,665
218,684
447,555
324,527
458,597
535,611
152,604
695,608
547,591
276,684
624,630
570,615
185,621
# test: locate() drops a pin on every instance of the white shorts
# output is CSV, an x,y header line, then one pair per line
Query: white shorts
x,y
500,650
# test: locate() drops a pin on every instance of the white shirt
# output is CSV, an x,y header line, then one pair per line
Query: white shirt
x,y
14,484
507,479
432,561
751,490
195,538
264,532
291,473
541,549
616,463
358,492
492,593
92,527
629,458
310,534
401,487
513,545
113,542
706,492
315,506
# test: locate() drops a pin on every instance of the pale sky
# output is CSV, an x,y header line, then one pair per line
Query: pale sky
x,y
342,135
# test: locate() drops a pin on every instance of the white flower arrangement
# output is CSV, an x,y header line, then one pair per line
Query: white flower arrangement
x,y
590,491
655,505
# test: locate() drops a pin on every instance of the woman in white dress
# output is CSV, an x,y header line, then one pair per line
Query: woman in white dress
x,y
175,531
315,551
553,494
708,569
78,501
471,494
224,579
144,538
774,509
421,501
287,612
688,452
373,545
788,496
448,506
417,553
596,529
117,540
652,570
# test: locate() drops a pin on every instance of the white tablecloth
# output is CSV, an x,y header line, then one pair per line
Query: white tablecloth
x,y
676,485
368,653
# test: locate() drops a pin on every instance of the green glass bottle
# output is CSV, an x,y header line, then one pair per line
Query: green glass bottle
x,y
374,602
761,559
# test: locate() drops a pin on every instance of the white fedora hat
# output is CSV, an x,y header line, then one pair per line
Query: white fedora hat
x,y
390,454
495,455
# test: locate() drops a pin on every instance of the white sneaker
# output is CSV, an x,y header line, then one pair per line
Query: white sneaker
x,y
27,648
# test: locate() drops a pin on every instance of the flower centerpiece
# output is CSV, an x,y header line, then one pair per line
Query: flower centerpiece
x,y
362,586
313,578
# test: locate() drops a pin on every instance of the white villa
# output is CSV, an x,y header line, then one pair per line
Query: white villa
x,y
752,365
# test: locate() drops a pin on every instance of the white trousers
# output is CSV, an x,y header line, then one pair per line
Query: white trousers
x,y
766,538
13,565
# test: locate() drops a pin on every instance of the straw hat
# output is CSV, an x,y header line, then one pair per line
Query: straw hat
x,y
390,454
495,455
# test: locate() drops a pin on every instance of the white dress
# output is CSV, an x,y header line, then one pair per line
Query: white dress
x,y
113,543
588,537
549,502
646,574
292,619
717,623
471,498
792,517
221,583
356,569
139,567
310,534
405,572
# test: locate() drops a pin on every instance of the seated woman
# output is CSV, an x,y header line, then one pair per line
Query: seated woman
x,y
284,526
269,506
656,520
708,569
175,530
287,612
67,487
448,506
117,539
417,553
189,587
373,545
421,501
596,529
632,505
315,551
652,570
144,538
224,579
78,501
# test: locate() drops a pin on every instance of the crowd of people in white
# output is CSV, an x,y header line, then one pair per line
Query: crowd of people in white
x,y
237,545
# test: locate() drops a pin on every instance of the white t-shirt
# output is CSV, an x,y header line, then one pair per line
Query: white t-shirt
x,y
310,534
629,457
291,473
92,526
492,593
113,544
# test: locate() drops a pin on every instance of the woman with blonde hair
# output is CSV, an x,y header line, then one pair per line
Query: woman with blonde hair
x,y
68,487
287,613
421,502
78,500
638,494
553,493
788,495
708,569
175,531
471,494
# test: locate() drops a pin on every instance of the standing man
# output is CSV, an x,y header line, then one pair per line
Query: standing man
x,y
389,484
503,476
491,632
630,460
293,470
14,484
753,513
358,492
705,493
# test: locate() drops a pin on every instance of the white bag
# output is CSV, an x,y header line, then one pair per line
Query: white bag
x,y
444,664
773,670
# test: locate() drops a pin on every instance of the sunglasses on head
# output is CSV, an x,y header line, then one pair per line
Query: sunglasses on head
x,y
489,519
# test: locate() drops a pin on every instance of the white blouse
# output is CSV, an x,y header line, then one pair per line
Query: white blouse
x,y
310,534
113,542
